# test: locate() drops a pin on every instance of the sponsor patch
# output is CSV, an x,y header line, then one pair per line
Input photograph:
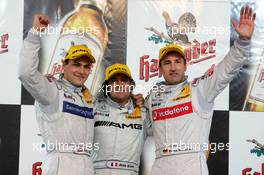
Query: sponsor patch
x,y
69,96
77,110
136,114
101,114
185,93
118,125
155,104
172,112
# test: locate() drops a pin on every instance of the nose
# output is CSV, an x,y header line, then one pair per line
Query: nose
x,y
172,67
81,70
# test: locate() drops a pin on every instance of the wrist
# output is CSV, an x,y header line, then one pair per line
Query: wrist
x,y
34,31
243,38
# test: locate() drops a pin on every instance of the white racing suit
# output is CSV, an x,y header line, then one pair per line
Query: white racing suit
x,y
181,116
65,119
120,132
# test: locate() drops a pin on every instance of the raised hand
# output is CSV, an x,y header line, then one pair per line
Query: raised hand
x,y
40,22
246,24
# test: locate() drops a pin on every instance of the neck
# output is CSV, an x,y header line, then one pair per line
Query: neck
x,y
176,83
167,83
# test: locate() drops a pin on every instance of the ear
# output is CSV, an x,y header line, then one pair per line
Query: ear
x,y
160,70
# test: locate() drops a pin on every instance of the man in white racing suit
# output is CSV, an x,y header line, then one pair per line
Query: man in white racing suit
x,y
120,127
181,111
64,108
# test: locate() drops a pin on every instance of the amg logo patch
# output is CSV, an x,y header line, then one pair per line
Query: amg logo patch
x,y
77,110
118,125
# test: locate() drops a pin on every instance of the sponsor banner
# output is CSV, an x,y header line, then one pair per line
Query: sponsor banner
x,y
11,36
206,40
246,154
3,43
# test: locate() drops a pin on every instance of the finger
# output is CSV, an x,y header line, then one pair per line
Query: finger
x,y
242,13
132,96
254,17
43,18
234,24
44,21
46,18
140,100
140,95
250,13
140,103
246,12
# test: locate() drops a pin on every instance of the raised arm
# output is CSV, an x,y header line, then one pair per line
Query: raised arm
x,y
39,87
212,84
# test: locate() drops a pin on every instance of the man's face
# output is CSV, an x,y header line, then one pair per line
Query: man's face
x,y
120,88
77,71
173,68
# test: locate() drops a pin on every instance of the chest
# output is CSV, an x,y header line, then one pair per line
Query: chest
x,y
72,103
122,119
171,104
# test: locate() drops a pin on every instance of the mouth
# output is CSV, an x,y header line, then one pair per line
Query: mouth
x,y
173,74
79,77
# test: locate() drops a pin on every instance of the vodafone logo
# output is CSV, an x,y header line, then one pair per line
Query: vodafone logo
x,y
172,112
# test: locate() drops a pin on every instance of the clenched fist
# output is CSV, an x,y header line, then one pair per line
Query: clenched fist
x,y
40,22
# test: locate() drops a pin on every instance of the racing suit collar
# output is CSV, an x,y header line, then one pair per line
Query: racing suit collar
x,y
174,87
71,87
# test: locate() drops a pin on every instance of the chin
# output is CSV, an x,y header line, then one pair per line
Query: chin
x,y
77,83
173,82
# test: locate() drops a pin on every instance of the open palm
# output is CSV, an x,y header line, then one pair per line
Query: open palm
x,y
246,25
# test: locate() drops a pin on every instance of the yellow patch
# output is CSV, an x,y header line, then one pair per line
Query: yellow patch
x,y
87,96
136,114
185,93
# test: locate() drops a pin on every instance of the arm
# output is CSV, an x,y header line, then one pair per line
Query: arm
x,y
40,88
212,84
147,122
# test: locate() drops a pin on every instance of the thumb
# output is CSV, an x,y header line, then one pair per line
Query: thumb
x,y
132,96
234,25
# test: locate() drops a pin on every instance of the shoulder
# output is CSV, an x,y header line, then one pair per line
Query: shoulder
x,y
156,88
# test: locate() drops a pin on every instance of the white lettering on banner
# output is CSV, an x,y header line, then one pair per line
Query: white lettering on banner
x,y
172,112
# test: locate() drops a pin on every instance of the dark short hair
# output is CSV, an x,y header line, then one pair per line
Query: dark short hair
x,y
66,62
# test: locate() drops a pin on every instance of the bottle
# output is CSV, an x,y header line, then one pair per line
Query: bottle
x,y
255,97
84,25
